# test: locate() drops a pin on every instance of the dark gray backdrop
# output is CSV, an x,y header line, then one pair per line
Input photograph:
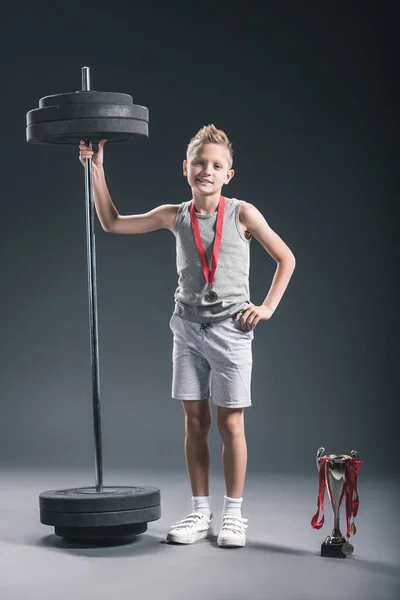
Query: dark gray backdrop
x,y
308,96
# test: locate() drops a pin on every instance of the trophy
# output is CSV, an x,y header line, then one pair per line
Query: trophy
x,y
338,472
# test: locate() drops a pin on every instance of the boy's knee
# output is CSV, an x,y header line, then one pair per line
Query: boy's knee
x,y
231,424
198,417
198,425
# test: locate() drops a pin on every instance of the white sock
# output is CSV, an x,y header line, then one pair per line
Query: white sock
x,y
232,506
201,504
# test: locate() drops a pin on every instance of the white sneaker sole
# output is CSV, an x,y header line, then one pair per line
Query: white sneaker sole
x,y
226,543
200,535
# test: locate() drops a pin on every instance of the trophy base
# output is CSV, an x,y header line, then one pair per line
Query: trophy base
x,y
336,548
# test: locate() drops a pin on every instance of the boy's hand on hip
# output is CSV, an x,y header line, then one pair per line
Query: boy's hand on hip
x,y
253,314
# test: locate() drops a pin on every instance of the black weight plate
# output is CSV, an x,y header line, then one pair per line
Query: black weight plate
x,y
87,499
73,130
84,111
99,533
83,97
100,519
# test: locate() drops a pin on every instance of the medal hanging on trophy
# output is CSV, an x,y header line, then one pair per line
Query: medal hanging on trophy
x,y
211,296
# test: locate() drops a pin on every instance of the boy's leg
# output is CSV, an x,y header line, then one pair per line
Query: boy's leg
x,y
198,420
199,524
234,449
234,456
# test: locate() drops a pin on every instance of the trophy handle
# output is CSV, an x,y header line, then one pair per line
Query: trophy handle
x,y
320,452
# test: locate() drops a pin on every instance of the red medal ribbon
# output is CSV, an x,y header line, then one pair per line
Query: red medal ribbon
x,y
349,489
320,500
208,273
352,499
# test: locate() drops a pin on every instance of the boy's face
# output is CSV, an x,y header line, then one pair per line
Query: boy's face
x,y
209,162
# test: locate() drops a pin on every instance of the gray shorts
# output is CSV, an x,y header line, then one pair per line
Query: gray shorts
x,y
212,360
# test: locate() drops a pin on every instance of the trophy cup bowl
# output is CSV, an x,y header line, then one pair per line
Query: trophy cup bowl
x,y
335,466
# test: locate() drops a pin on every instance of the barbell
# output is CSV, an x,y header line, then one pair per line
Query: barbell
x,y
93,512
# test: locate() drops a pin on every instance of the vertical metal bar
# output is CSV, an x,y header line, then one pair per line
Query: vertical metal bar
x,y
92,288
85,79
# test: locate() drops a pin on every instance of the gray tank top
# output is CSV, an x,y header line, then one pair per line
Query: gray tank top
x,y
231,279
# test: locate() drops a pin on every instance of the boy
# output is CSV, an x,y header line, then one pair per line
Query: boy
x,y
213,322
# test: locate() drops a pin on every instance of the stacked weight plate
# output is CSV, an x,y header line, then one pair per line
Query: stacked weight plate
x,y
84,513
68,118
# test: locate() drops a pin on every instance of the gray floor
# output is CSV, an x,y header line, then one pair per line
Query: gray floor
x,y
280,561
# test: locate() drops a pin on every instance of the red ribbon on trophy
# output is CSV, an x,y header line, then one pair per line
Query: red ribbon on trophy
x,y
349,488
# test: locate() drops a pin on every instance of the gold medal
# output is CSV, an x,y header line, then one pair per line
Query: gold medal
x,y
211,297
353,528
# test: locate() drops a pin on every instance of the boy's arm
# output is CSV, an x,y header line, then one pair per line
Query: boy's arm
x,y
158,218
254,221
259,228
111,221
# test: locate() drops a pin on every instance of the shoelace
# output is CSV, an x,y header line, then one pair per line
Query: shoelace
x,y
234,524
190,520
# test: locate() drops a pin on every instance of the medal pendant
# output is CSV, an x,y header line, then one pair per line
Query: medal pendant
x,y
211,297
353,528
347,548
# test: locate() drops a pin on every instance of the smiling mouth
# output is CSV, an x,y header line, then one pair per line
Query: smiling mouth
x,y
203,181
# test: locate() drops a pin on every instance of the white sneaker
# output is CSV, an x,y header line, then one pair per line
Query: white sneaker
x,y
233,532
196,526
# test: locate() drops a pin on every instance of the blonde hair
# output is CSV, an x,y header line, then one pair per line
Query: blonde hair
x,y
209,134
